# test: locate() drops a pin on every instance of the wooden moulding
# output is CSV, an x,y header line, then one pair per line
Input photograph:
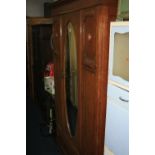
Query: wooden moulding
x,y
33,21
39,20
62,7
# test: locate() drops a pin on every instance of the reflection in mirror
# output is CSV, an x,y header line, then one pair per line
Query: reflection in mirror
x,y
71,78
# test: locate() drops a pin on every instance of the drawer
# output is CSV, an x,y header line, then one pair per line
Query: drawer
x,y
117,95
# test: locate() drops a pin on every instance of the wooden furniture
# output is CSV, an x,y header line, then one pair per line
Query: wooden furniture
x,y
81,28
38,54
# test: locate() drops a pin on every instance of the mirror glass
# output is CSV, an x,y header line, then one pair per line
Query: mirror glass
x,y
71,78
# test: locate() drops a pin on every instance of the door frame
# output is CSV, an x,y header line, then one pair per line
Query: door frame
x,y
30,22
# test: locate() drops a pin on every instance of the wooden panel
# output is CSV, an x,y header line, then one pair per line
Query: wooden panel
x,y
39,20
92,31
89,39
94,78
30,62
56,45
62,8
65,144
56,38
104,17
89,109
89,79
33,22
71,144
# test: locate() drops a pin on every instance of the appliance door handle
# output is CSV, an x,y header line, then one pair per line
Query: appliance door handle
x,y
124,100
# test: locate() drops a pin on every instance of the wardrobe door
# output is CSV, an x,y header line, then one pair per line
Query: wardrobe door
x,y
56,45
94,38
71,100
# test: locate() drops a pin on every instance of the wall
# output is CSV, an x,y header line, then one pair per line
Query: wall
x,y
123,9
35,8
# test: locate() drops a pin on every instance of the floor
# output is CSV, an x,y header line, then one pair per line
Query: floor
x,y
38,142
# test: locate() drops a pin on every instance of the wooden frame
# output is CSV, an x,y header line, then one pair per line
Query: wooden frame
x,y
93,27
33,21
60,8
38,21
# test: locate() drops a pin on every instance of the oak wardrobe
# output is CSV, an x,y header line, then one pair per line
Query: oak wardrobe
x,y
80,41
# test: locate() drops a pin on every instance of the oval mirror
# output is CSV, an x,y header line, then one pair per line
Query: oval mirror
x,y
71,85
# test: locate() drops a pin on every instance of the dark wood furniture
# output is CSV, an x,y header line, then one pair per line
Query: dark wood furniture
x,y
39,53
91,22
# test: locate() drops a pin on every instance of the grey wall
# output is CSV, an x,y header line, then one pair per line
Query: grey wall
x,y
35,8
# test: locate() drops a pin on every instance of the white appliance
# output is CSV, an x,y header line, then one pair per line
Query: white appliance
x,y
117,117
119,54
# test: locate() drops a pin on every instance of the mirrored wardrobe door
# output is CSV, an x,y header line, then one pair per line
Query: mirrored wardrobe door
x,y
55,45
71,78
71,61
